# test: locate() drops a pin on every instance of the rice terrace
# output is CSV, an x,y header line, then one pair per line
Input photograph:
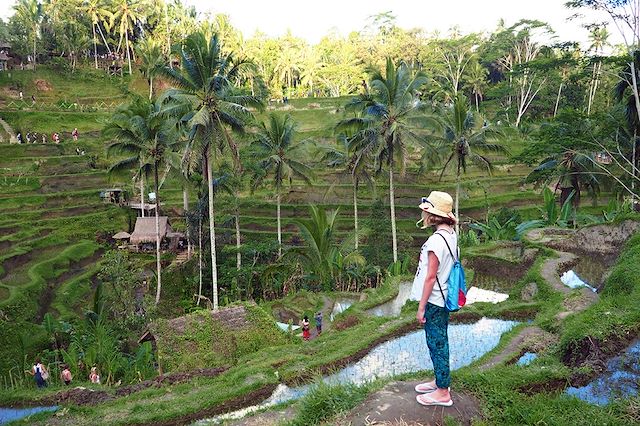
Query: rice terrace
x,y
355,213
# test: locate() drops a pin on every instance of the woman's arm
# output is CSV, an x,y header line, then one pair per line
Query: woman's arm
x,y
429,281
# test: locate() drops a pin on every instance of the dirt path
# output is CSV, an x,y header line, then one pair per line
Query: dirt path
x,y
550,271
396,404
327,307
9,130
530,338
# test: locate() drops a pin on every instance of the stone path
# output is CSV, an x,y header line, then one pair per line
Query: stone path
x,y
530,338
9,130
396,404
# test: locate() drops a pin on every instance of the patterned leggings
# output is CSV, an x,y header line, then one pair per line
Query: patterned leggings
x,y
438,342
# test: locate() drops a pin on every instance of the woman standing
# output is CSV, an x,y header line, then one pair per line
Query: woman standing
x,y
306,334
430,288
39,373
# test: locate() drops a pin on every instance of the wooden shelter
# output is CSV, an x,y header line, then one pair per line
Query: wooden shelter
x,y
144,233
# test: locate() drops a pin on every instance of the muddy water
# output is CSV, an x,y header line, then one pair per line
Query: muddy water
x,y
393,307
404,354
592,269
621,380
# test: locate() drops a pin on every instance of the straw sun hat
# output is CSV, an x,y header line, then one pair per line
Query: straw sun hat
x,y
438,203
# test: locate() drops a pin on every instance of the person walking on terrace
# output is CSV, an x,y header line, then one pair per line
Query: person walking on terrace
x,y
318,319
430,289
66,376
75,134
39,373
306,334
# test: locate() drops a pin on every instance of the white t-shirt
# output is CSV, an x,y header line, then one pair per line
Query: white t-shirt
x,y
436,244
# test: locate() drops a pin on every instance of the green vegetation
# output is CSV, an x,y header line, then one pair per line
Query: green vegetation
x,y
384,106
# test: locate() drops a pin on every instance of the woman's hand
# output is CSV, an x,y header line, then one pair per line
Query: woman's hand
x,y
420,315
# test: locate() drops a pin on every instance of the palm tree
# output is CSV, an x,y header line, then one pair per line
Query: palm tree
x,y
320,254
393,117
128,13
599,37
141,130
97,12
30,13
276,152
206,100
152,60
345,157
466,132
477,81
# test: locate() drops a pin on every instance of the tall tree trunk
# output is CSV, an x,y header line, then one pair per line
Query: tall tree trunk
x,y
392,204
279,224
355,211
158,267
104,40
142,193
185,207
212,233
457,213
199,258
166,19
150,88
555,110
238,242
95,45
126,38
35,37
477,103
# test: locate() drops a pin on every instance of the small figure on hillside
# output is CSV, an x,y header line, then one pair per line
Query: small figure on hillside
x,y
55,137
21,96
319,322
77,150
39,373
306,335
65,375
44,138
19,137
94,377
75,134
33,99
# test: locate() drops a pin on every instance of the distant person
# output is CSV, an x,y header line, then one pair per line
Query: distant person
x,y
94,377
319,322
306,334
44,138
19,137
75,134
66,376
39,373
55,137
430,289
21,96
33,99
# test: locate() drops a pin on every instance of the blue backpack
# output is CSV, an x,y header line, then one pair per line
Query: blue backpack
x,y
457,284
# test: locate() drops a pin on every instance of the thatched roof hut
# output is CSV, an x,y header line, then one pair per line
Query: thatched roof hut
x,y
145,229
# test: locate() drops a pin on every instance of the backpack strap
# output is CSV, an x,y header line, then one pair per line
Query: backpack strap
x,y
454,259
449,248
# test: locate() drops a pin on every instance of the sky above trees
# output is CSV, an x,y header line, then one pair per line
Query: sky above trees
x,y
313,20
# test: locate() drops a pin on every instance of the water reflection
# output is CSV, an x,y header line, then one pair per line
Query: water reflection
x,y
527,358
12,414
340,306
393,307
406,354
620,380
